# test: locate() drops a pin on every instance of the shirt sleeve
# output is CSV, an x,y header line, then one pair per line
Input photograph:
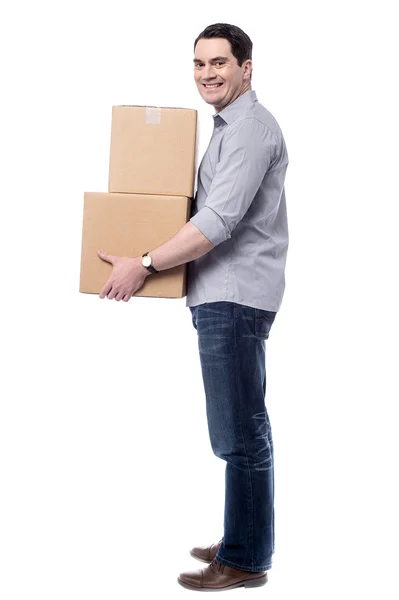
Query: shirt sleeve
x,y
246,153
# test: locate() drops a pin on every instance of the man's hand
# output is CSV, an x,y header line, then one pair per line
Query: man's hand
x,y
128,276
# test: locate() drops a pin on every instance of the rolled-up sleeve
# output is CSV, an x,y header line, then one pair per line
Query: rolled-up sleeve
x,y
246,152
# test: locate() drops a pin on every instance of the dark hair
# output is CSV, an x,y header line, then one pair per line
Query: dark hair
x,y
241,45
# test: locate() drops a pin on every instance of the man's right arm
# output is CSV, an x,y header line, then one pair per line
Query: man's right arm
x,y
246,154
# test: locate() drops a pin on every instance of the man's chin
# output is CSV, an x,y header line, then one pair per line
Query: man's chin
x,y
213,96
212,101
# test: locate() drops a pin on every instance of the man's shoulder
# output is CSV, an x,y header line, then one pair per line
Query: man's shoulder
x,y
258,112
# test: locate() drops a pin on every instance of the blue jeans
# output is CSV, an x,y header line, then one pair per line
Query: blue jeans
x,y
231,343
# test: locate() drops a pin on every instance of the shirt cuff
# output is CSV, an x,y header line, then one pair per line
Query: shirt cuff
x,y
211,225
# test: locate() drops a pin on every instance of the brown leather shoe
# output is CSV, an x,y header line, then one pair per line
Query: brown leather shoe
x,y
205,554
220,577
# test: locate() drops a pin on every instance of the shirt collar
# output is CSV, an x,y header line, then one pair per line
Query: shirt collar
x,y
233,110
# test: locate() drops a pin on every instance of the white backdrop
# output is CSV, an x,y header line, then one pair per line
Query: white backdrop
x,y
107,476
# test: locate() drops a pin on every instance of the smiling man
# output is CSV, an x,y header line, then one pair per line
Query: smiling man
x,y
219,78
236,245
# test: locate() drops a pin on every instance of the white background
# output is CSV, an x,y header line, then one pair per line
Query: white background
x,y
107,476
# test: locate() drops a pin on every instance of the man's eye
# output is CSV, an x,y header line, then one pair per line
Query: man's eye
x,y
199,64
219,63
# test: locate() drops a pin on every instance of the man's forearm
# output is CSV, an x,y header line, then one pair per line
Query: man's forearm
x,y
188,244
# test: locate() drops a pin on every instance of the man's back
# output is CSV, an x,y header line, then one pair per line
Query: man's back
x,y
240,206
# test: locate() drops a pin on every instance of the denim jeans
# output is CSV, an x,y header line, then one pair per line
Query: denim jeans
x,y
231,343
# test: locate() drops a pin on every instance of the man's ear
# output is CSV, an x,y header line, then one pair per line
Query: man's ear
x,y
247,69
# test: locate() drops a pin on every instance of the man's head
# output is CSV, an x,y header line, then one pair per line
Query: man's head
x,y
222,64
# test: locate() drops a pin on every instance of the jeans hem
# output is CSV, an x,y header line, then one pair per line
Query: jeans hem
x,y
228,563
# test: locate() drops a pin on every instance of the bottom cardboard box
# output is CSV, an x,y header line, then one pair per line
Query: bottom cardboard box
x,y
129,225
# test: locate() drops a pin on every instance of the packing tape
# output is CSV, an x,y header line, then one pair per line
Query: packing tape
x,y
152,116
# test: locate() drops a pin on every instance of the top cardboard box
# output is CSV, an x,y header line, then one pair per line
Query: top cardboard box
x,y
152,150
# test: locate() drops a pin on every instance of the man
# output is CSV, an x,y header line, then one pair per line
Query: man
x,y
236,243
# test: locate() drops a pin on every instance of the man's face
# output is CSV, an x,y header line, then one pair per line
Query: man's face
x,y
219,79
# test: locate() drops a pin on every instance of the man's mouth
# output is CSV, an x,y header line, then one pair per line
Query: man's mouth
x,y
212,86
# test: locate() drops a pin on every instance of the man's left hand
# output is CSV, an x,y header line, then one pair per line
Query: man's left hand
x,y
128,275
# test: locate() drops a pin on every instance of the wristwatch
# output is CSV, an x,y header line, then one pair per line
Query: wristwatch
x,y
146,262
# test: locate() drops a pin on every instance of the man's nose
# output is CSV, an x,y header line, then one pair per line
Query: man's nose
x,y
208,72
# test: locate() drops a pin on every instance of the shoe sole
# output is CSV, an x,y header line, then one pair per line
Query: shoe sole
x,y
250,583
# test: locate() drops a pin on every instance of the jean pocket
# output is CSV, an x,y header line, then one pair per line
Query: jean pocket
x,y
193,310
263,323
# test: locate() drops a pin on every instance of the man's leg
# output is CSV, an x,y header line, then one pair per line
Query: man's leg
x,y
231,340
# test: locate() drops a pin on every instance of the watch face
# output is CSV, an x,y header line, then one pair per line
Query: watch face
x,y
146,261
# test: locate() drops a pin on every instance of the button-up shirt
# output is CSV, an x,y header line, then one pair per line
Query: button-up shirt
x,y
240,207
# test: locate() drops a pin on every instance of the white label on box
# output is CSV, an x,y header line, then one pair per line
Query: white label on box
x,y
152,116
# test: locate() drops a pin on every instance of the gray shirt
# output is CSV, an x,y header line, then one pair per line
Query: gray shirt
x,y
240,207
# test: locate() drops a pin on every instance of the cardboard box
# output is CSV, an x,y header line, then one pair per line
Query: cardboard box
x,y
129,225
152,150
